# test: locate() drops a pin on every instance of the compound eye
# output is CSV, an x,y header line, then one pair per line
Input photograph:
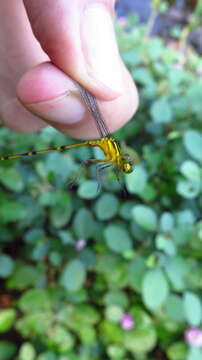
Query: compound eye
x,y
128,168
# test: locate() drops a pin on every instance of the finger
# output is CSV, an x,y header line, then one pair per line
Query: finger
x,y
79,39
50,94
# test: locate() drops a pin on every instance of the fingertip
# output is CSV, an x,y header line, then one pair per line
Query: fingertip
x,y
42,83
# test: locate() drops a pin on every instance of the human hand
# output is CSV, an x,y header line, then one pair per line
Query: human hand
x,y
78,38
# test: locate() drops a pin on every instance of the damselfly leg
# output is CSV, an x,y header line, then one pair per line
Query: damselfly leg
x,y
101,164
100,171
120,179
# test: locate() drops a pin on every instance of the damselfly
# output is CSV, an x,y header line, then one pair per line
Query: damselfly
x,y
114,156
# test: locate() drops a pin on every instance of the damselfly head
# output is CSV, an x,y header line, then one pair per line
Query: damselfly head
x,y
127,164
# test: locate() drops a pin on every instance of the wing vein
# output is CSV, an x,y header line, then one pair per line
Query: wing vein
x,y
94,110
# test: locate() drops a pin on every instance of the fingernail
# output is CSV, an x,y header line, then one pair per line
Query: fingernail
x,y
100,47
65,108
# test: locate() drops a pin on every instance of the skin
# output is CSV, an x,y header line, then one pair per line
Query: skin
x,y
45,46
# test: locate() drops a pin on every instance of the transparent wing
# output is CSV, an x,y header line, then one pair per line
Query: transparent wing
x,y
94,110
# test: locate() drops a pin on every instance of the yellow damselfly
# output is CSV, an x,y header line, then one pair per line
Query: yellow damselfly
x,y
114,156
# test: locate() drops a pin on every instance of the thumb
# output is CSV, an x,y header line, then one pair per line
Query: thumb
x,y
79,39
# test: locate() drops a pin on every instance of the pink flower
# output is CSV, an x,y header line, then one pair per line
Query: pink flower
x,y
80,244
127,322
122,21
193,337
177,65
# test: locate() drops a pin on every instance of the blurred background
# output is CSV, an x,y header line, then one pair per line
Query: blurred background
x,y
167,18
89,275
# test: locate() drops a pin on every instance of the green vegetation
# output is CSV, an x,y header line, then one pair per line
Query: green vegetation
x,y
63,298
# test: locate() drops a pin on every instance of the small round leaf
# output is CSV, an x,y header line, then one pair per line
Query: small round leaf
x,y
88,190
145,217
136,181
73,275
193,308
117,238
193,144
7,319
84,224
155,289
6,266
106,207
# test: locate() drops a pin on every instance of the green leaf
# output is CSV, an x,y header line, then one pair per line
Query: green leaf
x,y
143,338
140,341
35,236
136,271
155,289
11,179
36,299
66,237
11,211
106,207
191,170
125,210
188,189
111,332
145,217
23,277
35,323
49,355
155,48
117,238
84,225
177,351
87,335
116,352
185,217
166,244
27,352
136,181
59,164
88,190
161,111
55,259
40,251
60,339
73,275
174,308
48,198
118,298
61,213
113,313
143,76
76,316
194,90
6,266
176,270
7,319
193,144
149,194
166,222
114,270
193,308
194,354
130,59
88,258
7,350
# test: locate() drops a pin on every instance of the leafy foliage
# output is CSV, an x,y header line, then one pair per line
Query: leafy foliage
x,y
142,252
